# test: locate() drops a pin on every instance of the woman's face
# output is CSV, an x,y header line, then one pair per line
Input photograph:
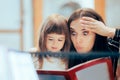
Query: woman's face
x,y
82,39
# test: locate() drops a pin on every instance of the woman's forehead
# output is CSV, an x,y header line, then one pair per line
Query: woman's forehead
x,y
75,22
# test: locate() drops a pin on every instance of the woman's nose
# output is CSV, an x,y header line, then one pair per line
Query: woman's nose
x,y
78,39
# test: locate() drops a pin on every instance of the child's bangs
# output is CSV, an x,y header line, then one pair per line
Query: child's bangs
x,y
58,29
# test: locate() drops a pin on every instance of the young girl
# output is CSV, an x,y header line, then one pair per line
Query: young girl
x,y
54,37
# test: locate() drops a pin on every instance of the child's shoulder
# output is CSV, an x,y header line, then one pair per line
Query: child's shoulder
x,y
35,57
34,49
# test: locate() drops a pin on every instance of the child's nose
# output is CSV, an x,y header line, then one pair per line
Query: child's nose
x,y
55,42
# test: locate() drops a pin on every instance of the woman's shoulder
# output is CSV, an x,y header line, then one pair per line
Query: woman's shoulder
x,y
113,45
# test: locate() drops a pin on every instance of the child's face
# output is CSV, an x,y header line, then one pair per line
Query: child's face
x,y
55,42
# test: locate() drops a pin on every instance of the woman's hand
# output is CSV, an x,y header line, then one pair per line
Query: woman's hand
x,y
97,27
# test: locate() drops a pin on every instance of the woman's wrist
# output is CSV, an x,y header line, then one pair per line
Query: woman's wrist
x,y
111,32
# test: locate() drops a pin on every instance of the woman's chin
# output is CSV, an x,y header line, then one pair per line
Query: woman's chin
x,y
82,51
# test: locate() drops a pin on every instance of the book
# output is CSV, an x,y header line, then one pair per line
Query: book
x,y
96,69
16,65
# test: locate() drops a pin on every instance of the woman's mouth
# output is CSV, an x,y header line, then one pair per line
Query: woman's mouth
x,y
79,48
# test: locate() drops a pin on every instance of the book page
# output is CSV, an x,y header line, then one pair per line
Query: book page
x,y
5,73
51,77
95,72
22,66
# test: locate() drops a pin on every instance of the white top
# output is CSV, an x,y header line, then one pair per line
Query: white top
x,y
53,64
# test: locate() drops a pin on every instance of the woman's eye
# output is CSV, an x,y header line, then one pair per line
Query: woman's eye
x,y
72,33
60,40
85,33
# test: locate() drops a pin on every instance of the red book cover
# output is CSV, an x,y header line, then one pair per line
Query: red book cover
x,y
96,69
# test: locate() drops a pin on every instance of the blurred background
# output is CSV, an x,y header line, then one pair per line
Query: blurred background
x,y
20,20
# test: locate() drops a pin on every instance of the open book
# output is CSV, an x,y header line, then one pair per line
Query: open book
x,y
15,65
97,69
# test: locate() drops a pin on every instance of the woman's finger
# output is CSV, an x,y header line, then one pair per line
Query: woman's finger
x,y
87,22
88,19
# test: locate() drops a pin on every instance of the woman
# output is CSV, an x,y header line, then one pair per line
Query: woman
x,y
84,40
99,28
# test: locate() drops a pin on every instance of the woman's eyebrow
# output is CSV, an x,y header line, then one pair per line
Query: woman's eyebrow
x,y
83,29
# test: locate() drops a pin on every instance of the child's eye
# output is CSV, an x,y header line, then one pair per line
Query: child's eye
x,y
85,33
50,39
